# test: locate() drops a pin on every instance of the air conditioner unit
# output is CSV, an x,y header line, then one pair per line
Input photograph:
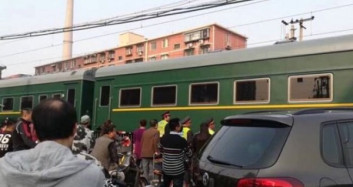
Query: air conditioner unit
x,y
189,45
140,53
202,41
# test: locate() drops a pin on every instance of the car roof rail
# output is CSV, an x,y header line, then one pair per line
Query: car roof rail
x,y
262,111
320,110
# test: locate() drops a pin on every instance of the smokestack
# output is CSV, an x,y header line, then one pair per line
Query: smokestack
x,y
67,47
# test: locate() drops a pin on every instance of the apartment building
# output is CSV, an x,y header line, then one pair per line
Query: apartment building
x,y
134,48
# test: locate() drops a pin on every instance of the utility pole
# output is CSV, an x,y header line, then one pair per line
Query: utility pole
x,y
1,68
301,27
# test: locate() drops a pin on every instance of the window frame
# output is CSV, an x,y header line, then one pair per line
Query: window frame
x,y
310,100
46,95
67,93
100,96
251,102
13,103
340,146
161,86
130,106
21,101
53,95
202,83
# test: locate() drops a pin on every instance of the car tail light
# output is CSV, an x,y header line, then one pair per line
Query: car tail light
x,y
270,182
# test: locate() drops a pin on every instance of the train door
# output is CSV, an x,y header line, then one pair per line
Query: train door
x,y
102,104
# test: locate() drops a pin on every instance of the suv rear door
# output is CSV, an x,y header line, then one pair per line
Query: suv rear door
x,y
241,148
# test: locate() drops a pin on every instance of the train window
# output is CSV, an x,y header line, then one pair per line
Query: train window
x,y
164,95
56,96
71,96
204,93
42,97
7,104
26,102
105,95
312,88
252,91
130,97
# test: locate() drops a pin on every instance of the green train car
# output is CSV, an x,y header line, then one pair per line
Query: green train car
x,y
76,87
309,74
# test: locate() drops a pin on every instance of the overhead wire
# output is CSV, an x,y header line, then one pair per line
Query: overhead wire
x,y
158,14
249,44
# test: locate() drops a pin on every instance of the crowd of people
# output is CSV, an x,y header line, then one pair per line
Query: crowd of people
x,y
46,147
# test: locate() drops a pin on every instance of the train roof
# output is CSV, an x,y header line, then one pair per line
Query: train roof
x,y
50,78
317,46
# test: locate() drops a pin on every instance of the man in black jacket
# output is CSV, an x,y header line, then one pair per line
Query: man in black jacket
x,y
175,151
24,136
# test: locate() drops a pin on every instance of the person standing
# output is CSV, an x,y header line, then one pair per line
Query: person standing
x,y
198,142
137,136
83,140
211,126
24,136
149,146
174,150
6,136
162,125
105,149
51,162
187,132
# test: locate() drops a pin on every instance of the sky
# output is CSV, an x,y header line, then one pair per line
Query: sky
x,y
259,20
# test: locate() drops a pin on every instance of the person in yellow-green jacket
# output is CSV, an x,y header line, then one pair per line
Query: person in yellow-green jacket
x,y
163,123
211,126
187,133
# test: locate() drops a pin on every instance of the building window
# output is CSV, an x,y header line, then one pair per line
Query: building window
x,y
130,97
120,58
164,95
165,43
140,50
128,51
71,96
104,96
164,57
153,45
252,91
42,97
312,88
138,60
176,46
153,58
204,93
204,49
189,52
129,62
197,35
102,57
7,104
93,58
26,102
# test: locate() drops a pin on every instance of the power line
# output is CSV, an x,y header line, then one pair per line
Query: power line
x,y
117,21
188,17
117,32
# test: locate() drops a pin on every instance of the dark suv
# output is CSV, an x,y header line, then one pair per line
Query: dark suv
x,y
312,147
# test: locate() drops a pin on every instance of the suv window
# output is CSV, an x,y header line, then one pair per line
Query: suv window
x,y
331,149
256,144
346,132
